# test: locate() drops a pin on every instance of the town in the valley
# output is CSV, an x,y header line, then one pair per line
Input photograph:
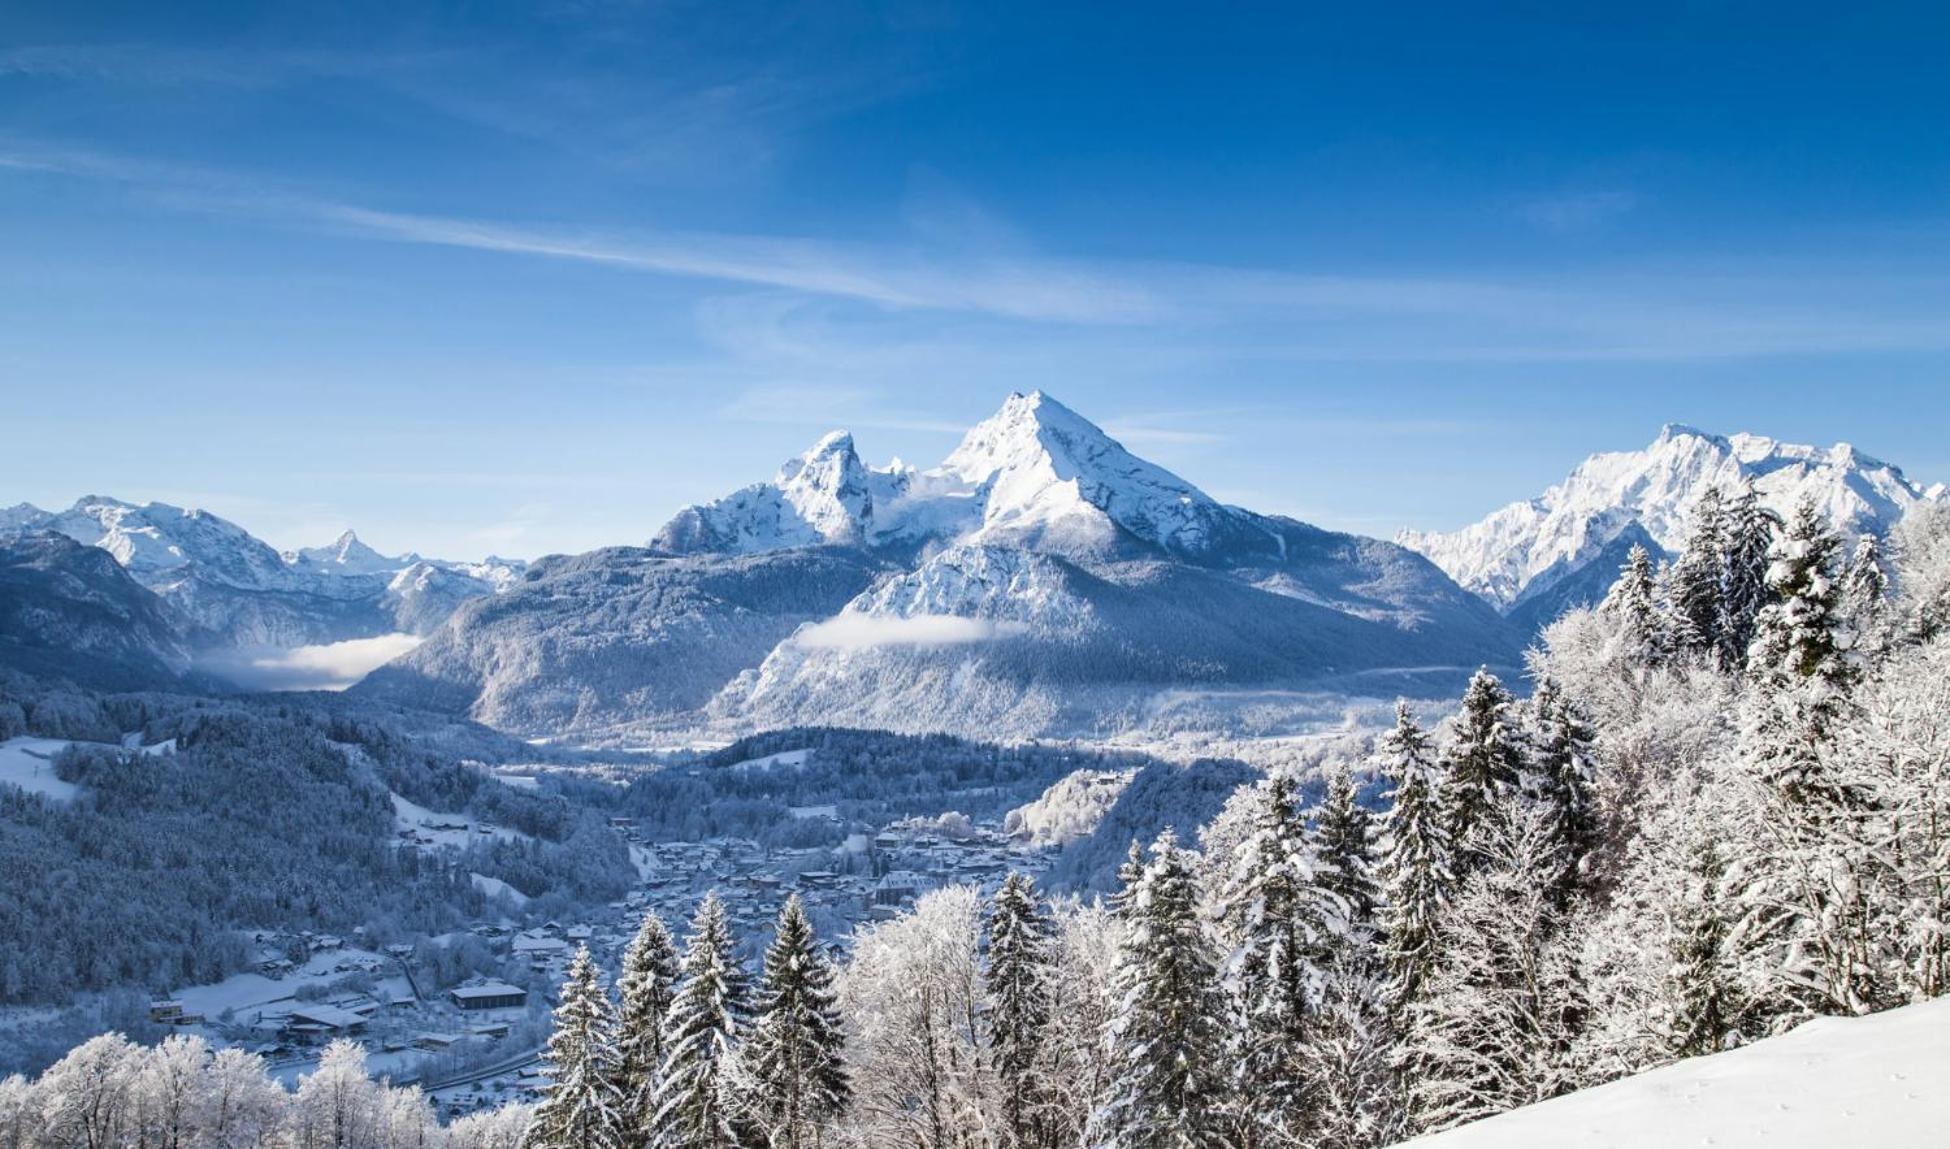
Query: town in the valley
x,y
476,1041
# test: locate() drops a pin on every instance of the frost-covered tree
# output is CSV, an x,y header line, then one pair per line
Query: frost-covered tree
x,y
1703,1009
1344,843
1494,1028
338,1105
85,1096
1353,1097
1922,560
645,987
1019,980
1559,775
1748,547
1077,1062
1695,594
696,1104
795,1056
1417,866
1278,919
585,1106
170,1085
505,1127
1865,600
242,1106
912,997
1481,766
1636,602
1167,1086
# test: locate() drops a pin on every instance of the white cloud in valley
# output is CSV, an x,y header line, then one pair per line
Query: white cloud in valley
x,y
329,666
862,632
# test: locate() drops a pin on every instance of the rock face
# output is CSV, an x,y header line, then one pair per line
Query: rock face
x,y
1519,553
227,588
1042,579
71,611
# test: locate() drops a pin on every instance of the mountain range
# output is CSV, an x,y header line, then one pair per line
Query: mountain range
x,y
223,587
1041,580
1536,558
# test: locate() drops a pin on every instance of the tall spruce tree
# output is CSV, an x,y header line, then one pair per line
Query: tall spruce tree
x,y
1482,766
1166,1086
584,1108
696,1108
1865,599
1559,775
794,1057
1021,961
1417,866
1635,601
1282,923
1344,843
1696,595
1703,1006
645,986
1748,545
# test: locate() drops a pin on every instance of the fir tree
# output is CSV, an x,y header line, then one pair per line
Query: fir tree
x,y
1020,968
1559,775
1748,544
1417,867
1279,919
1865,598
1701,995
798,1078
1696,596
1634,601
1482,766
584,1108
1344,843
645,987
696,1108
1799,677
1166,1078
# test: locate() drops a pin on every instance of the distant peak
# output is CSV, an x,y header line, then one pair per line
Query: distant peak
x,y
1686,431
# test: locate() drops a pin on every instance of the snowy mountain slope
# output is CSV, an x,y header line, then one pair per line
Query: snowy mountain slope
x,y
230,588
71,611
1042,579
617,636
1864,1081
1523,548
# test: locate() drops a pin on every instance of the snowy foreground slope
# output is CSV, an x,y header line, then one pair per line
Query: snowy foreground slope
x,y
1877,1082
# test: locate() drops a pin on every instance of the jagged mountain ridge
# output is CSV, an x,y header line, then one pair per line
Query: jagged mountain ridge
x,y
1519,552
226,588
1041,579
71,611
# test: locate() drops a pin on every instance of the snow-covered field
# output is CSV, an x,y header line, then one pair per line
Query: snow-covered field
x,y
1877,1082
28,762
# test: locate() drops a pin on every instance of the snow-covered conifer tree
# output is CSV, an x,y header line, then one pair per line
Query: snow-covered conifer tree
x,y
1481,766
794,1058
1019,981
584,1108
1864,605
1344,843
1635,601
1167,1086
696,1105
645,986
1417,866
1695,595
1558,774
1748,547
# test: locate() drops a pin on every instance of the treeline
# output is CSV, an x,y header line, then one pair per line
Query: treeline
x,y
871,777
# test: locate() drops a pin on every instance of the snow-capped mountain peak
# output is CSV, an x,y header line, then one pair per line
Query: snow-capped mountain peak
x,y
1045,469
1521,550
347,555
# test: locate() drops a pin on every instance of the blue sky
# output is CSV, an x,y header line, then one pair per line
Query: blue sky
x,y
529,277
